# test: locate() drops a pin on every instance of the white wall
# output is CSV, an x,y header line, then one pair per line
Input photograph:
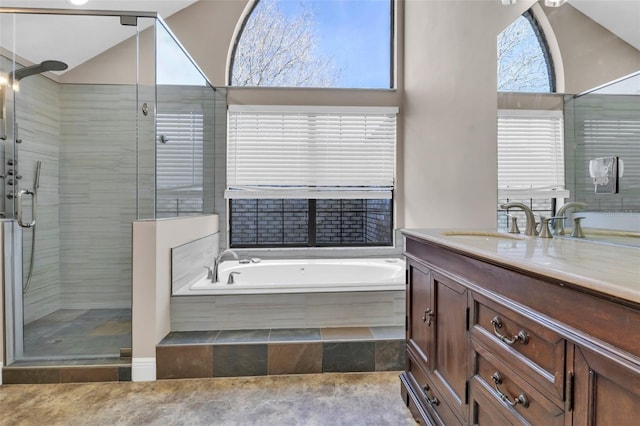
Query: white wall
x,y
151,312
450,111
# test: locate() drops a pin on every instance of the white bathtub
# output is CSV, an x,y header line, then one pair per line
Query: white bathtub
x,y
303,276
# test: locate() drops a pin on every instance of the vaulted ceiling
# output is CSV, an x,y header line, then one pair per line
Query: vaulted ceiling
x,y
75,39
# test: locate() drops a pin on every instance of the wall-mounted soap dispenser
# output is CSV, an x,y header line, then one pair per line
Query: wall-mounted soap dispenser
x,y
605,173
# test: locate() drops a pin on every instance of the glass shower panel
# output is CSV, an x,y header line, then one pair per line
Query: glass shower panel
x,y
602,124
185,131
75,165
146,113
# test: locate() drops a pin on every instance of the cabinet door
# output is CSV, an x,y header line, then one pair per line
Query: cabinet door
x,y
419,312
448,366
605,392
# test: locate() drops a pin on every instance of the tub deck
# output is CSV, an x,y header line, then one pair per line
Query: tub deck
x,y
230,353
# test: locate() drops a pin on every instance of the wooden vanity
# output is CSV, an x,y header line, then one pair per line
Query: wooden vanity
x,y
514,330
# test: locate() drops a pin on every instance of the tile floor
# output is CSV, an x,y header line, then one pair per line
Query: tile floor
x,y
354,399
74,333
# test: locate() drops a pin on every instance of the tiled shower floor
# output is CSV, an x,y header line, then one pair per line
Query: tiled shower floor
x,y
78,333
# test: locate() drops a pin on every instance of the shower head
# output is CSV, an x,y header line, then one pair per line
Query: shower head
x,y
44,66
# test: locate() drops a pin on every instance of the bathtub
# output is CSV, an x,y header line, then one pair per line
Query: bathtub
x,y
303,276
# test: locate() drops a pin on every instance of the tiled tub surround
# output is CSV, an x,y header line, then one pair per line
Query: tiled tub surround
x,y
231,353
188,261
262,311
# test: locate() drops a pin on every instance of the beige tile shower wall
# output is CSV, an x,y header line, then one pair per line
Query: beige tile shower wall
x,y
197,313
97,194
38,119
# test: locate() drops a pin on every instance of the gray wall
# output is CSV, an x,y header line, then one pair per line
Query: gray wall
x,y
85,136
619,117
97,195
38,118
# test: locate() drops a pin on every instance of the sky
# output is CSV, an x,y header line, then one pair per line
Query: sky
x,y
356,34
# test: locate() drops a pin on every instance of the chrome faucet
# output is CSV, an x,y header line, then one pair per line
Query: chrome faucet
x,y
218,260
558,224
531,221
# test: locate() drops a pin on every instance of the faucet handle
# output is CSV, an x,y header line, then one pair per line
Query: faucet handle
x,y
209,272
230,279
577,228
513,224
545,231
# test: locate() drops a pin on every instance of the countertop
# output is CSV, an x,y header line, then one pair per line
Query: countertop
x,y
605,268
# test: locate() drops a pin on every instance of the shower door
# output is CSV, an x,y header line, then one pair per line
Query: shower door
x,y
71,166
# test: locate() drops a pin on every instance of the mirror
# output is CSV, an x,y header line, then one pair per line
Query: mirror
x,y
600,63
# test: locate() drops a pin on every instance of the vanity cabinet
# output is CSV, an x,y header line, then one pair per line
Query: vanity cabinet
x,y
606,392
491,344
437,342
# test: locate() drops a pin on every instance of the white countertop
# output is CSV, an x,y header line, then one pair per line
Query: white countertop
x,y
606,268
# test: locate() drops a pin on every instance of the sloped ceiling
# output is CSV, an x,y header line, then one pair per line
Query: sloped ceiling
x,y
74,39
621,17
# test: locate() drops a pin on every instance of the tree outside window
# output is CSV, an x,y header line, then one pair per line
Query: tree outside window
x,y
315,43
524,64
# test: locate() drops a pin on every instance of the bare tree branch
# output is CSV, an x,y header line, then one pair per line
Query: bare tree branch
x,y
522,65
275,50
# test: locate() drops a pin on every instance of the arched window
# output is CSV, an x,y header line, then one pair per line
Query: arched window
x,y
315,43
524,62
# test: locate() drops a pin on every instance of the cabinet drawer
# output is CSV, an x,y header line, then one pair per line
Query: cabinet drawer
x,y
536,352
512,393
431,400
486,410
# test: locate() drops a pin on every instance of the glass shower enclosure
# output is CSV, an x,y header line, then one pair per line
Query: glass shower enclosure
x,y
93,135
603,127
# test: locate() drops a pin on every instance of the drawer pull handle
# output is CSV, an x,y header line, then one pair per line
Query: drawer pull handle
x,y
432,401
426,317
521,336
521,399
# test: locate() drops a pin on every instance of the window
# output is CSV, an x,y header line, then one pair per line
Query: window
x,y
524,63
315,43
310,176
179,162
530,159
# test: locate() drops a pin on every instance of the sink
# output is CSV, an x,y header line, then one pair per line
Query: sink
x,y
482,234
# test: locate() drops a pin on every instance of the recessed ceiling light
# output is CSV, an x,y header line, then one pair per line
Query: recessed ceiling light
x,y
78,2
554,3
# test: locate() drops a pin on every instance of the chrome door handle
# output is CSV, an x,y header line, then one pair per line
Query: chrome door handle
x,y
19,208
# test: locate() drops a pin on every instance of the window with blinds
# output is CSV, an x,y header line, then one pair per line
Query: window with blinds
x,y
339,162
530,154
179,162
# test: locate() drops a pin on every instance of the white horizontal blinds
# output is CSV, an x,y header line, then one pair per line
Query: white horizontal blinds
x,y
310,151
180,150
530,154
